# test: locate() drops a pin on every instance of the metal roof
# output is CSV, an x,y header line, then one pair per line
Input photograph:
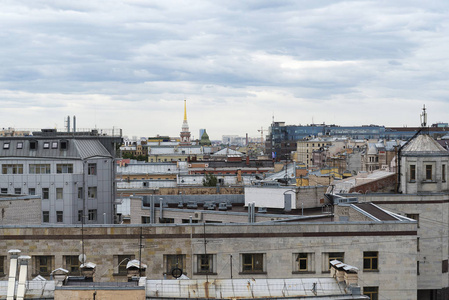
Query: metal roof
x,y
424,144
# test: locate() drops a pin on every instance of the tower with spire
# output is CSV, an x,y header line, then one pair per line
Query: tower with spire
x,y
185,133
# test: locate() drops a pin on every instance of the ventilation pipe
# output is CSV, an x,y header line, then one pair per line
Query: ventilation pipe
x,y
12,274
68,123
74,124
22,276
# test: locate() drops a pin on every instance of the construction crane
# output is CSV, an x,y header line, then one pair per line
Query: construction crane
x,y
261,134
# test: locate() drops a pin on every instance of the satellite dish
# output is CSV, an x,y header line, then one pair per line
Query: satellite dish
x,y
82,258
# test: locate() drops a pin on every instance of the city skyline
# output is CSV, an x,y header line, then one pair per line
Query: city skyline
x,y
131,64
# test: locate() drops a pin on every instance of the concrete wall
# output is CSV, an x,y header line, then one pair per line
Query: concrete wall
x,y
279,244
433,212
23,210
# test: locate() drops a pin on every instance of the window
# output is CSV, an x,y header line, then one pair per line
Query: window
x,y
330,256
173,261
20,145
445,266
45,193
39,169
46,145
64,145
43,264
2,264
6,145
4,190
370,261
122,261
205,263
33,145
92,192
414,217
31,191
443,173
429,172
145,220
166,220
92,214
72,264
59,193
252,263
17,191
80,193
372,292
54,145
417,245
45,216
12,169
64,168
301,259
92,169
59,216
412,172
80,215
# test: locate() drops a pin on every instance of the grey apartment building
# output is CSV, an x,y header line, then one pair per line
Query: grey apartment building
x,y
73,172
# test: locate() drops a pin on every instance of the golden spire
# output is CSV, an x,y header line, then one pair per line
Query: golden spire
x,y
185,110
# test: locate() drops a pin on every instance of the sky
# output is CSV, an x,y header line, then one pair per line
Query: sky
x,y
239,64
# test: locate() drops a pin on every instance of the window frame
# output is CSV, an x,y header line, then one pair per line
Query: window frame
x,y
59,216
45,216
412,177
92,169
39,168
371,291
72,264
205,264
92,215
371,261
9,169
54,145
46,145
6,145
170,264
43,261
45,193
92,192
59,193
19,145
64,168
252,263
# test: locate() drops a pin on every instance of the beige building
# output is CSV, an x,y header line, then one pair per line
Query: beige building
x,y
305,149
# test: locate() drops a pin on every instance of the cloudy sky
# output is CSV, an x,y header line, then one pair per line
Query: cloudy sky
x,y
130,64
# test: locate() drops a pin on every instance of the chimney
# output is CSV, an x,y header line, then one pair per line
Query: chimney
x,y
12,274
23,259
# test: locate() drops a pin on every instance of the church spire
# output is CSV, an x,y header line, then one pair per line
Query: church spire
x,y
185,110
185,133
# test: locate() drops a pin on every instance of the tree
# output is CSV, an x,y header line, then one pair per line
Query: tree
x,y
210,180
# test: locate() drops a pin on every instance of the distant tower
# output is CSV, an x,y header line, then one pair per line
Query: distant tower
x,y
185,133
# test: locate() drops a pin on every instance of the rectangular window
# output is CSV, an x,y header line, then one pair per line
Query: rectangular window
x,y
59,216
412,172
45,216
145,220
64,168
92,214
17,191
443,173
20,145
166,220
45,193
301,259
370,261
414,217
72,264
54,145
6,145
64,145
332,256
12,169
2,264
80,193
46,145
59,193
31,191
429,172
205,263
80,215
43,264
174,261
4,190
92,192
445,266
122,261
92,169
33,145
39,169
252,263
372,292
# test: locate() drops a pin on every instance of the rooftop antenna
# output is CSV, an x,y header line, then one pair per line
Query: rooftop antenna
x,y
423,117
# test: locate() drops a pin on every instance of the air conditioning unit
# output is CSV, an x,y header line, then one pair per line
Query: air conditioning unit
x,y
197,216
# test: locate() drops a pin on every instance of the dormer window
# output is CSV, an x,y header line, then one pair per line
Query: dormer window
x,y
54,145
64,145
6,145
46,145
33,145
20,145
